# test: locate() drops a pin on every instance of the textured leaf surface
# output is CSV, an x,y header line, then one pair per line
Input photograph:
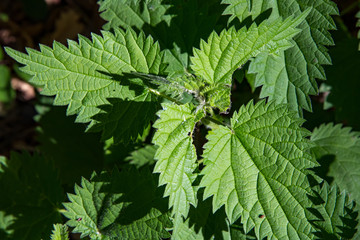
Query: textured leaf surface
x,y
31,197
341,148
221,55
133,13
202,223
290,77
60,232
82,76
176,155
126,205
336,214
168,22
257,170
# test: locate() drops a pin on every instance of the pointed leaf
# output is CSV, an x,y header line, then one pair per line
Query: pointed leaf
x,y
290,77
337,219
339,149
109,206
133,13
257,169
60,232
166,22
221,55
202,223
176,155
82,75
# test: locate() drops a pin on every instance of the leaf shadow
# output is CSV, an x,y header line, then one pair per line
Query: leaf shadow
x,y
136,191
125,119
203,219
30,196
349,222
323,170
127,79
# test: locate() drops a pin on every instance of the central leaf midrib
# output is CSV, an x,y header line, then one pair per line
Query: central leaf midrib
x,y
267,182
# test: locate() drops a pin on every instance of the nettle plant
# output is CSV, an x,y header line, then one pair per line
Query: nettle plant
x,y
162,72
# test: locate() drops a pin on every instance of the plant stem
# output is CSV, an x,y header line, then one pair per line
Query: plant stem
x,y
164,96
211,119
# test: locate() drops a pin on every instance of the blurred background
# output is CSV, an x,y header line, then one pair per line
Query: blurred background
x,y
27,23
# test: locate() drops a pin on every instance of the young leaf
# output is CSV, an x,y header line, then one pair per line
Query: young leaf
x,y
60,232
290,76
221,55
176,155
257,169
31,197
336,213
341,148
84,75
109,206
168,22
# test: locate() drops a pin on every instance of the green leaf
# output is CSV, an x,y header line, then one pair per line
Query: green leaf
x,y
290,77
5,225
7,93
176,155
168,22
86,74
133,13
125,119
338,150
31,196
143,156
184,231
202,223
336,213
257,169
60,232
221,55
125,204
237,232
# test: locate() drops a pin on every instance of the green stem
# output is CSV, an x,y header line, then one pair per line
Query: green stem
x,y
211,119
164,96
